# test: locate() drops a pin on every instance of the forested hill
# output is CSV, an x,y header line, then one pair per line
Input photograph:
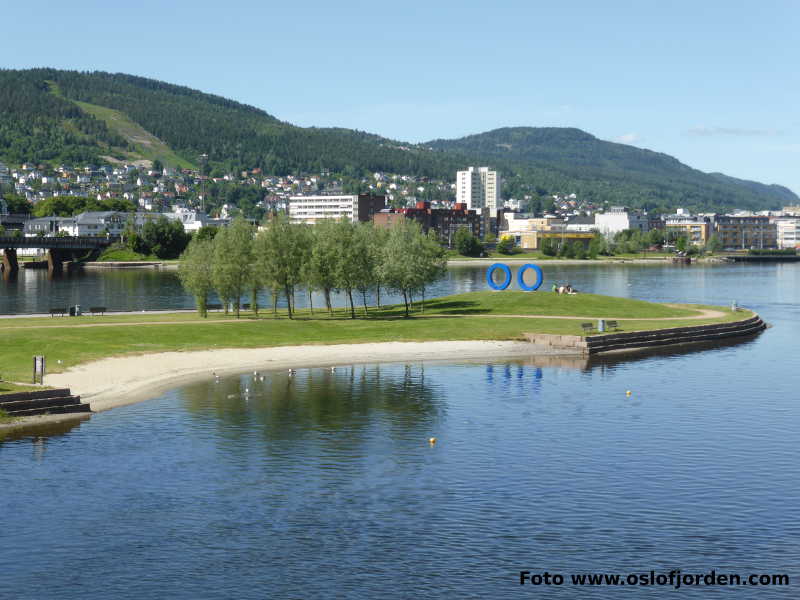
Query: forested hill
x,y
595,167
47,115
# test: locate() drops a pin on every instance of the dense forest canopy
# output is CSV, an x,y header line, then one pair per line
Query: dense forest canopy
x,y
46,117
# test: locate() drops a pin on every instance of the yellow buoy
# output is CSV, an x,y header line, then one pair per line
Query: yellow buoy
x,y
432,441
628,393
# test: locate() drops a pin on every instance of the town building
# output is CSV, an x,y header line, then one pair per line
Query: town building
x,y
619,218
478,188
528,232
532,240
745,232
444,221
697,230
788,232
312,209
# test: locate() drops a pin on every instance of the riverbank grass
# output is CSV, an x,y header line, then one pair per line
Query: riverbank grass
x,y
475,316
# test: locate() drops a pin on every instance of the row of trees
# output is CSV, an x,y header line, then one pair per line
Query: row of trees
x,y
354,258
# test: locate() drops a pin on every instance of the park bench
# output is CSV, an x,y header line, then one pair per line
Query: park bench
x,y
98,310
213,306
245,306
587,327
612,325
58,311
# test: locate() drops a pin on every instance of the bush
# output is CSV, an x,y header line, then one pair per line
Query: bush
x,y
773,252
467,244
547,247
507,246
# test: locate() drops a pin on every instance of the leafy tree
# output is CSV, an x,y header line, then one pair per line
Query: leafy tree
x,y
597,245
547,247
467,244
233,258
17,205
431,261
506,245
714,244
681,244
195,271
164,237
206,232
282,250
67,206
409,261
321,268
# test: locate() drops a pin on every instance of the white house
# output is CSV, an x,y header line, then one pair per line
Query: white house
x,y
618,218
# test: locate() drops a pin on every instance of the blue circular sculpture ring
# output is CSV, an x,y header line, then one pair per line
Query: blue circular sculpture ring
x,y
521,278
498,286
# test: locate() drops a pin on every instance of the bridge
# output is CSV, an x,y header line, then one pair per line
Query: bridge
x,y
59,249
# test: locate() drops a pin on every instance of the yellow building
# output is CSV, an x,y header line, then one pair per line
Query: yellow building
x,y
532,240
696,231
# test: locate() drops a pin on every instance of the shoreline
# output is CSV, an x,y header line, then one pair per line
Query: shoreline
x,y
118,381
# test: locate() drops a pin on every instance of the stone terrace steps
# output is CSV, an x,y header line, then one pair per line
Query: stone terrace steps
x,y
42,402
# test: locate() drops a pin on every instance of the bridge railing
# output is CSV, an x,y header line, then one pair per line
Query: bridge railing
x,y
8,241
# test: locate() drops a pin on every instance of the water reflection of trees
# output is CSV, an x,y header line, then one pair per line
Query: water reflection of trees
x,y
342,410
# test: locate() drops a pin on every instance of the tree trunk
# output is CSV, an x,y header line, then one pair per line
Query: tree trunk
x,y
364,300
423,299
378,296
352,307
238,305
405,301
254,301
327,292
274,302
288,299
310,302
202,303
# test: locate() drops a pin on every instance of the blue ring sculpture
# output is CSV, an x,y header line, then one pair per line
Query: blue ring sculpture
x,y
521,280
498,286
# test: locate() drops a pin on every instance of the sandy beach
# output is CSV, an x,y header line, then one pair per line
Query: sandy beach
x,y
113,382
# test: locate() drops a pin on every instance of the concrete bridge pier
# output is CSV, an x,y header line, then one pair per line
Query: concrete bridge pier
x,y
10,264
55,260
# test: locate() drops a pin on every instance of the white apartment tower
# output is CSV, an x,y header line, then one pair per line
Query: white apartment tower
x,y
478,188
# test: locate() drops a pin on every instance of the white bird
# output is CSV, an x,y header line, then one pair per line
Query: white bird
x,y
292,372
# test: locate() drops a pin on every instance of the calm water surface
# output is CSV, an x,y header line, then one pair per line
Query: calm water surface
x,y
324,485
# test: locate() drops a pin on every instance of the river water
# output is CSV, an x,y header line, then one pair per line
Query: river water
x,y
324,485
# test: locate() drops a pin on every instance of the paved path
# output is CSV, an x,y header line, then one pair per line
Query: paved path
x,y
704,313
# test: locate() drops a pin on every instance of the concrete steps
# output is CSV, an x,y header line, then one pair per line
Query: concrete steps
x,y
641,340
42,402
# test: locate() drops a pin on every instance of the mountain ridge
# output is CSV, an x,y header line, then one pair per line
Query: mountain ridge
x,y
81,123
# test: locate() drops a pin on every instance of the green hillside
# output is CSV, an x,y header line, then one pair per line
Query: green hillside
x,y
574,161
77,117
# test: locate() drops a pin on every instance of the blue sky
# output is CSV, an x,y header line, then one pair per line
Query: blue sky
x,y
714,84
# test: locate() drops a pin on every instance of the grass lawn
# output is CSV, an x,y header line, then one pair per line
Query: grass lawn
x,y
6,387
117,254
75,340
